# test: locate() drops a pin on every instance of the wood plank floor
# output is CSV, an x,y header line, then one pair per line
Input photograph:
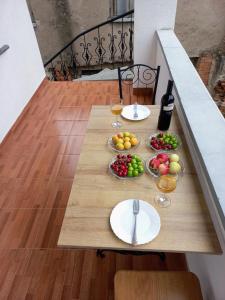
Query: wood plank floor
x,y
37,165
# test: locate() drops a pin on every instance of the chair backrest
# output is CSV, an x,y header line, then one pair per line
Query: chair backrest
x,y
139,76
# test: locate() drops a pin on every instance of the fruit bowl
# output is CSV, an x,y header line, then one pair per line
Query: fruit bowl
x,y
164,163
163,141
127,166
123,142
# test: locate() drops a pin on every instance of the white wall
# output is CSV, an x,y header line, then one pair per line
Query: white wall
x,y
151,15
210,269
21,68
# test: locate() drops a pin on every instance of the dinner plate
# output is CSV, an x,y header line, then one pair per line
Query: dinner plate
x,y
128,112
122,222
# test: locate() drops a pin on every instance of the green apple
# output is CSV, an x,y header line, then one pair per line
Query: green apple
x,y
135,173
174,167
130,173
140,169
174,158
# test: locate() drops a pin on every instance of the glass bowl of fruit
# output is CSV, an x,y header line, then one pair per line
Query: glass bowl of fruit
x,y
163,141
164,163
123,141
126,166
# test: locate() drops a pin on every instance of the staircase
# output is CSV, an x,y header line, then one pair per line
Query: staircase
x,y
106,45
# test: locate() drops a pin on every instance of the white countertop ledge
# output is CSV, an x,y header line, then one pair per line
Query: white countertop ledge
x,y
203,119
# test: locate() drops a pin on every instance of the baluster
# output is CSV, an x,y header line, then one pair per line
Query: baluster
x,y
112,50
52,70
131,39
112,46
122,45
73,63
63,68
100,58
87,56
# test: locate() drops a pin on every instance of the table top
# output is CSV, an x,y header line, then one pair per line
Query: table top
x,y
185,225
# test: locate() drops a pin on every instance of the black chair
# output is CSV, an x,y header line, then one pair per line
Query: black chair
x,y
138,77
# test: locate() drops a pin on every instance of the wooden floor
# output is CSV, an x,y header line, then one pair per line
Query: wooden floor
x,y
37,165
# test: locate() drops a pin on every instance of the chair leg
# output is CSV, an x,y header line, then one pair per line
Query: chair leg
x,y
162,255
99,253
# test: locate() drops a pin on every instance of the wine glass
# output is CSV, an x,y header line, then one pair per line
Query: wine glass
x,y
116,109
166,184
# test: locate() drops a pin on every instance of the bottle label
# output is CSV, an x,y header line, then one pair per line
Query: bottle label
x,y
169,107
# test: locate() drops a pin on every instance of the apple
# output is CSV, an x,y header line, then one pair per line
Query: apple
x,y
174,157
174,167
162,157
120,135
154,163
163,169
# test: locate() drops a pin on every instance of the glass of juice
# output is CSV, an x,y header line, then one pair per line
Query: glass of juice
x,y
116,109
166,184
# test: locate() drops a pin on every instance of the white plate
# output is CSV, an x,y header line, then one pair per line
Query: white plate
x,y
122,222
128,112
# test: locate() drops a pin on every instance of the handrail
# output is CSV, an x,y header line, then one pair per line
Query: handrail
x,y
88,30
3,49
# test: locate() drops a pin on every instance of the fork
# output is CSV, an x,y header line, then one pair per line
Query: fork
x,y
135,213
135,111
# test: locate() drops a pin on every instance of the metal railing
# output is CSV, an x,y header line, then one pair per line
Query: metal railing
x,y
108,44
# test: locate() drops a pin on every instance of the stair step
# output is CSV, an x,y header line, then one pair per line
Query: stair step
x,y
105,74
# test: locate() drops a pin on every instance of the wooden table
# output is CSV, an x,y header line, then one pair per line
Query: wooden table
x,y
185,225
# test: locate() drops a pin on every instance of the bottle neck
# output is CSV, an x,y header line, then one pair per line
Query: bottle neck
x,y
169,87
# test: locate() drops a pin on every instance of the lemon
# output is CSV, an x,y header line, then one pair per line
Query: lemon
x,y
134,141
115,139
119,141
127,145
126,139
126,134
119,146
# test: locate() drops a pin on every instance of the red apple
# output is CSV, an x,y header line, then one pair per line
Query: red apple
x,y
154,163
162,157
163,169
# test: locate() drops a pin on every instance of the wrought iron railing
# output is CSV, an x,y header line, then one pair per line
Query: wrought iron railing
x,y
109,44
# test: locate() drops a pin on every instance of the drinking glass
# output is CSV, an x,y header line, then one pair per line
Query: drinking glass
x,y
116,109
166,184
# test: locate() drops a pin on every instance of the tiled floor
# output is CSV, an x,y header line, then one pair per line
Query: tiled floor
x,y
37,165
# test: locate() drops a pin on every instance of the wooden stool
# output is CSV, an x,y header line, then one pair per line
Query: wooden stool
x,y
165,285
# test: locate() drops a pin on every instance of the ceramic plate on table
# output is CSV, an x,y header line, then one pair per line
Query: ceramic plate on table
x,y
142,111
122,222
